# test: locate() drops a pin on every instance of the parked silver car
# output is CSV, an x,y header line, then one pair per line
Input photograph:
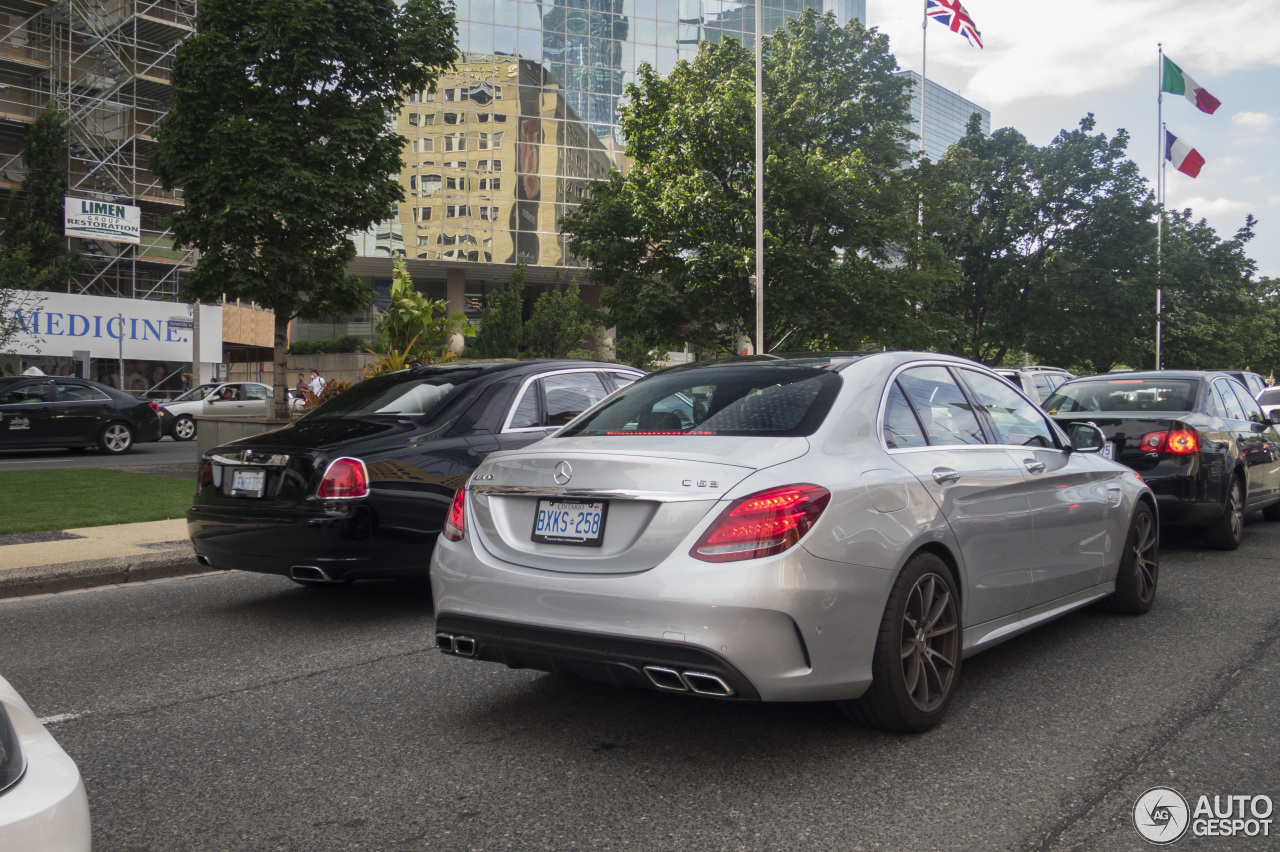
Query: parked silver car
x,y
844,529
235,399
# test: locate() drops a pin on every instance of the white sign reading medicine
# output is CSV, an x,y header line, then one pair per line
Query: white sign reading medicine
x,y
64,323
102,220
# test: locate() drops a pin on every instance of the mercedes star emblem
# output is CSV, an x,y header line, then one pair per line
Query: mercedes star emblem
x,y
563,473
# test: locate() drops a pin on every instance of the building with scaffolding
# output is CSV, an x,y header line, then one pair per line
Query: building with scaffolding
x,y
105,64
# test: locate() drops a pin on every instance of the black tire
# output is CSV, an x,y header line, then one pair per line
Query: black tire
x,y
184,428
916,666
115,438
1228,531
1139,571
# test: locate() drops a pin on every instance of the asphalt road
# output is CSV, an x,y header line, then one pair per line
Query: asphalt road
x,y
166,456
239,712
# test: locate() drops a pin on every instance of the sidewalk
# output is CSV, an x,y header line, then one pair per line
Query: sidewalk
x,y
38,563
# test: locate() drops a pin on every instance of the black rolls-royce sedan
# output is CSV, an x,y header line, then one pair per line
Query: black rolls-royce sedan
x,y
360,487
61,411
1197,438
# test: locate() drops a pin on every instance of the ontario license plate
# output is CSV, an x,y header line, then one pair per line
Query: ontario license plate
x,y
1109,450
248,482
569,522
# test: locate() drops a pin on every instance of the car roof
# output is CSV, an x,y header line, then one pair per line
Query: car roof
x,y
1155,374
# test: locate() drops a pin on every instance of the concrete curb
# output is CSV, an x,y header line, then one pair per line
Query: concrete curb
x,y
47,579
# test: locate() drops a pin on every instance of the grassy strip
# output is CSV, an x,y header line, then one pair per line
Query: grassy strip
x,y
44,500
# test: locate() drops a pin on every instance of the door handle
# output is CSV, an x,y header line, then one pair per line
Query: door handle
x,y
945,476
1033,466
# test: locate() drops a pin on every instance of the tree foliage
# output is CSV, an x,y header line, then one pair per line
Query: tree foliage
x,y
501,321
562,325
674,239
278,136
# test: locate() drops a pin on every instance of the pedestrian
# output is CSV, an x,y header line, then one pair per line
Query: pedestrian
x,y
301,389
317,383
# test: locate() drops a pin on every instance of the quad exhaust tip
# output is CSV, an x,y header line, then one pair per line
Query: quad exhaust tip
x,y
699,683
462,646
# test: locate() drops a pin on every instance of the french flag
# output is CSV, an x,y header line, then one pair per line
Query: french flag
x,y
1184,158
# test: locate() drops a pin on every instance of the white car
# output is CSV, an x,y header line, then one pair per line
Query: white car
x,y
43,806
238,399
1269,401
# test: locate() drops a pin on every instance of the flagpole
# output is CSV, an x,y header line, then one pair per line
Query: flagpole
x,y
1160,139
924,66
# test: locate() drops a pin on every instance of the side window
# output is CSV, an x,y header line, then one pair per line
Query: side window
x,y
1229,401
26,395
526,415
256,392
943,410
901,428
621,380
1216,408
1252,412
570,394
1043,385
1016,420
69,392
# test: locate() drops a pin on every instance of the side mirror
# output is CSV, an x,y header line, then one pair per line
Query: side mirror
x,y
1086,438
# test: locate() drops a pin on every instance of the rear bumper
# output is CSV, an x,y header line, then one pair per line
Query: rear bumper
x,y
788,628
1176,510
344,544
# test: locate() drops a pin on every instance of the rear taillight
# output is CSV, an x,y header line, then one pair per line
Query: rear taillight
x,y
206,474
455,526
155,408
762,524
1175,442
344,479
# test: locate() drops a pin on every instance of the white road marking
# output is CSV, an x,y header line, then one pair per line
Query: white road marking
x,y
60,717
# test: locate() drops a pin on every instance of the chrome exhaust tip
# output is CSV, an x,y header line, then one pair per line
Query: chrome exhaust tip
x,y
204,560
310,574
462,646
707,684
664,678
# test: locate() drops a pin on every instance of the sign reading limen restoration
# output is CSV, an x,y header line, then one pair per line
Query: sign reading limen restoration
x,y
102,220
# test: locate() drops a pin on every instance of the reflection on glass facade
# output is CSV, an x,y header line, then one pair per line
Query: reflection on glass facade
x,y
946,115
514,134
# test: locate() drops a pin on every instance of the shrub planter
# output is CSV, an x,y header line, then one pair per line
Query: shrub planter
x,y
215,431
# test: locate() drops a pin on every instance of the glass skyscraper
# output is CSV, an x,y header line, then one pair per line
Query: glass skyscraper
x,y
946,115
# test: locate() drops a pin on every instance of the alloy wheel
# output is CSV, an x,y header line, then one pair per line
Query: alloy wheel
x,y
116,437
930,647
184,429
1146,565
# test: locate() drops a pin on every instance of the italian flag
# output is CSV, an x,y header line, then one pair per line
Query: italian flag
x,y
1178,82
1184,158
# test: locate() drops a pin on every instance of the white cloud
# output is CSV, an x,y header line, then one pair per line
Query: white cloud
x,y
1274,201
1229,161
1253,120
1034,50
1211,208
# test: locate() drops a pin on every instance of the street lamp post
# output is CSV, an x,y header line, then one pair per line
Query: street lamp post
x,y
759,276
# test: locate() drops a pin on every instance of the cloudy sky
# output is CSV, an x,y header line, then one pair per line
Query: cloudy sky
x,y
1046,64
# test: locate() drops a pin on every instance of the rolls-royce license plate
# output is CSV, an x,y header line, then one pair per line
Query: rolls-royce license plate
x,y
250,483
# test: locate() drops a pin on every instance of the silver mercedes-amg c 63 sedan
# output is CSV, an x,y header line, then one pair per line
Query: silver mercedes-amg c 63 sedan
x,y
844,528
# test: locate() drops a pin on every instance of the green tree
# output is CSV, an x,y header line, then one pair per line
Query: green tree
x,y
1216,314
561,324
501,322
278,136
35,248
674,239
1055,247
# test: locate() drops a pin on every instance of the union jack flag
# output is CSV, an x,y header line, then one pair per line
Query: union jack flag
x,y
951,13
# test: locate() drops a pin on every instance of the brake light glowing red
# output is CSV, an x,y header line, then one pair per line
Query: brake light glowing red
x,y
455,525
762,524
344,479
155,408
1175,442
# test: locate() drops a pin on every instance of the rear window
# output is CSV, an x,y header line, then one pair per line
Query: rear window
x,y
756,399
1270,396
396,395
1121,395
